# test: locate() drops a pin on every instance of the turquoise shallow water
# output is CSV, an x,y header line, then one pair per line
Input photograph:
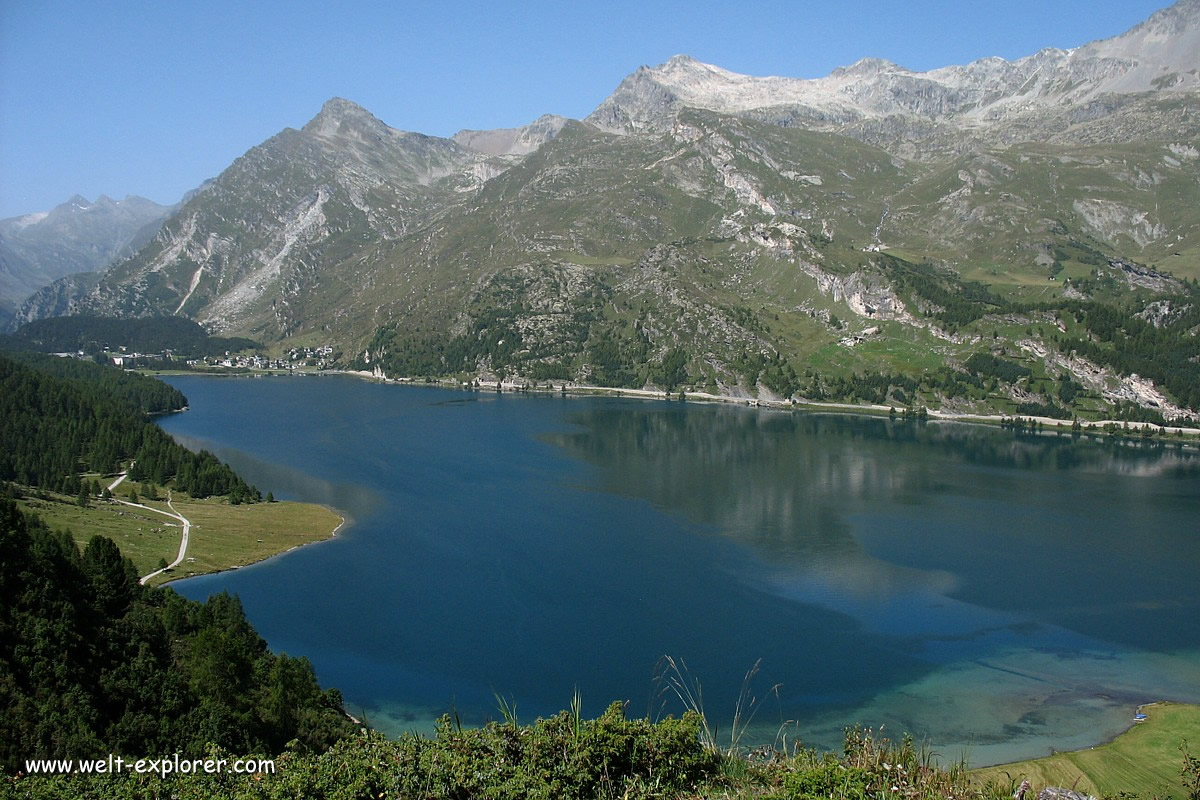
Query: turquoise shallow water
x,y
995,595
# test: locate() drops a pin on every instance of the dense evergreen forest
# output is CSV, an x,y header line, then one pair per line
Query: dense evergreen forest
x,y
92,663
63,417
181,336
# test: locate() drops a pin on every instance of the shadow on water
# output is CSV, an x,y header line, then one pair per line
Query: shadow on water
x,y
287,483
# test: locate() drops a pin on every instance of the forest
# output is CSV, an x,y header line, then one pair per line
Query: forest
x,y
91,335
63,418
1168,353
93,663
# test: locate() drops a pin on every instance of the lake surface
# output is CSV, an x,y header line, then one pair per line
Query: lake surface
x,y
996,595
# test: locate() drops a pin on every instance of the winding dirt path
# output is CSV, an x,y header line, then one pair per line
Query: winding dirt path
x,y
183,542
173,513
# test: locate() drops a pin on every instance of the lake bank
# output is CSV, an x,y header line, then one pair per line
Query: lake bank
x,y
223,537
1188,435
1146,758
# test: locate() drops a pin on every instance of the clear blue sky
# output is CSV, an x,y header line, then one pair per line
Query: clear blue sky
x,y
152,97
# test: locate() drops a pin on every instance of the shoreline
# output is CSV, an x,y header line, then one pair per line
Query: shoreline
x,y
1098,767
1133,723
571,389
343,520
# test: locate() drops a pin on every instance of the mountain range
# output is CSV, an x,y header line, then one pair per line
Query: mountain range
x,y
756,236
76,236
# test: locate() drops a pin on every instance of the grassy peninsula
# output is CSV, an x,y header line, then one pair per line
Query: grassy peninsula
x,y
71,426
223,536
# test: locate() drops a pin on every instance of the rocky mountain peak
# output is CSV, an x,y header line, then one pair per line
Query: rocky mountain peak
x,y
512,141
680,60
75,236
867,67
682,66
76,202
1161,54
1174,19
342,117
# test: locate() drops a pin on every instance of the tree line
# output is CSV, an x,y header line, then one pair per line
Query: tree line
x,y
89,334
64,417
93,663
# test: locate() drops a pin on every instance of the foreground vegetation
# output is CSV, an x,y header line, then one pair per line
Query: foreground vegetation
x,y
566,757
557,758
93,663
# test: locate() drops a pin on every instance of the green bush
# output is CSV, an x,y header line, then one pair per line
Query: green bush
x,y
562,757
830,778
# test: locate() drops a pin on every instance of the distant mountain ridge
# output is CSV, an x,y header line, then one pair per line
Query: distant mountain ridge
x,y
75,236
1161,55
513,141
739,233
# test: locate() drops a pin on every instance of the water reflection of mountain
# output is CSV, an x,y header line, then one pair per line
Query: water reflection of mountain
x,y
860,513
765,477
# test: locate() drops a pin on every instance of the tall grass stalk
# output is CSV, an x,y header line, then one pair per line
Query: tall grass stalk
x,y
507,706
576,713
673,677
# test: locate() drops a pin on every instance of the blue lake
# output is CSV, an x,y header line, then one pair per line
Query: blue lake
x,y
996,595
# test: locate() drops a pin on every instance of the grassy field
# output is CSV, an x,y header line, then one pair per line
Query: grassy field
x,y
222,537
1146,759
141,535
225,536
